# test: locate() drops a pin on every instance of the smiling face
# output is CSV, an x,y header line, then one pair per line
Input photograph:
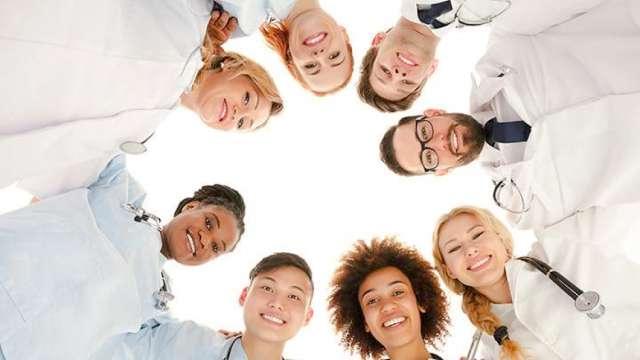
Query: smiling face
x,y
449,140
225,101
199,234
320,51
390,308
277,304
404,61
473,253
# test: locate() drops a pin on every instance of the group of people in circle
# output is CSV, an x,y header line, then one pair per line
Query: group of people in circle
x,y
547,119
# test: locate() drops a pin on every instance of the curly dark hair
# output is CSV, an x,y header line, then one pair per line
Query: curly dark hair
x,y
356,265
220,195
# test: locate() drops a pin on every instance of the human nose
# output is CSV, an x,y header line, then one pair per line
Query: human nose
x,y
275,303
318,51
399,71
388,306
471,251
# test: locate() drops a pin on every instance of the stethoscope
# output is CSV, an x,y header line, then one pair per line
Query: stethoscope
x,y
584,301
135,147
163,295
461,21
228,354
499,188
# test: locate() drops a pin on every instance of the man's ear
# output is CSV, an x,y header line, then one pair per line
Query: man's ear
x,y
308,316
243,296
440,172
432,67
193,204
433,112
378,39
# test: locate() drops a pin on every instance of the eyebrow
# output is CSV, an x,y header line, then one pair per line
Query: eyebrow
x,y
292,286
257,101
389,284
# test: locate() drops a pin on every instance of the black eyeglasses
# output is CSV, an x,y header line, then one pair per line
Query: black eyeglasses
x,y
424,133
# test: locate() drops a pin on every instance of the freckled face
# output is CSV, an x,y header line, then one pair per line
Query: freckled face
x,y
277,304
473,253
390,308
200,234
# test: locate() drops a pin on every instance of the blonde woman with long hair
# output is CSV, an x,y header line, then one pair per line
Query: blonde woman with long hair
x,y
522,313
85,81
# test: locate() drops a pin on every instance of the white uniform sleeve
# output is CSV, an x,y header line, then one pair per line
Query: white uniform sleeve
x,y
531,17
172,340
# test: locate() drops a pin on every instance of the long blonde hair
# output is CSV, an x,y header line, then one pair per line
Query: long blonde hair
x,y
214,58
474,304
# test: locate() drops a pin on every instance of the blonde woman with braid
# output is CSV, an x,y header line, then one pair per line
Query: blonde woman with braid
x,y
522,313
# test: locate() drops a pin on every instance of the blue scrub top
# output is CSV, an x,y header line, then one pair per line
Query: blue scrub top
x,y
76,270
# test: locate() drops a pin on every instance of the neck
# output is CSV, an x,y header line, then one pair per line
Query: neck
x,y
256,348
302,6
414,350
164,250
498,293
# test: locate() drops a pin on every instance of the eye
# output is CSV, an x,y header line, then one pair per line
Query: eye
x,y
309,66
246,98
477,235
385,70
406,82
207,223
215,248
398,292
371,301
267,288
334,55
454,249
294,297
240,123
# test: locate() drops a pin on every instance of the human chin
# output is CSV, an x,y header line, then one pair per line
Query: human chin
x,y
396,330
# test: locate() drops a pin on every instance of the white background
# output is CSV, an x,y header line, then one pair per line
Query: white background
x,y
312,181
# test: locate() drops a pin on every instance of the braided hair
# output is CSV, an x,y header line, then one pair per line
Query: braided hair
x,y
219,195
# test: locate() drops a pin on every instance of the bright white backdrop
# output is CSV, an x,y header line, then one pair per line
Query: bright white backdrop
x,y
312,181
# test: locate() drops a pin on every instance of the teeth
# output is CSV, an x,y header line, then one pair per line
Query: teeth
x,y
316,39
393,321
454,141
192,244
223,111
479,263
272,319
405,60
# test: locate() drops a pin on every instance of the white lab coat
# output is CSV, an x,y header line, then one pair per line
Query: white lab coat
x,y
81,77
252,13
581,103
76,269
589,249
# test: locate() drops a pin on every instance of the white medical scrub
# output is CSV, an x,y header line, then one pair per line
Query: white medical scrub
x,y
591,250
569,71
76,269
79,78
253,13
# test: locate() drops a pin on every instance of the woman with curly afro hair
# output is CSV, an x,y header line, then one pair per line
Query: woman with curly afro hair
x,y
386,300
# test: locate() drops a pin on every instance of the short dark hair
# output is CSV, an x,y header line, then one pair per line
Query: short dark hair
x,y
388,153
220,195
356,265
369,96
279,260
475,140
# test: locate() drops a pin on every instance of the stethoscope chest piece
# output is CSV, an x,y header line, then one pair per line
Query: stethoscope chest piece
x,y
589,302
164,295
133,148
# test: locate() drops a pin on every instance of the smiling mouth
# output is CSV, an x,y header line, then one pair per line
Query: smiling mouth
x,y
272,319
455,146
406,60
394,322
479,264
315,39
191,243
223,111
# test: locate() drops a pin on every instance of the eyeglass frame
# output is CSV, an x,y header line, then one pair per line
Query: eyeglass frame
x,y
423,144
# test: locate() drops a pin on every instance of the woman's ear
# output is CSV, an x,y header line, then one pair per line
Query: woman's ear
x,y
193,204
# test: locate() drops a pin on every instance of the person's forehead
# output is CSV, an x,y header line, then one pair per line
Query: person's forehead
x,y
287,277
380,279
458,225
